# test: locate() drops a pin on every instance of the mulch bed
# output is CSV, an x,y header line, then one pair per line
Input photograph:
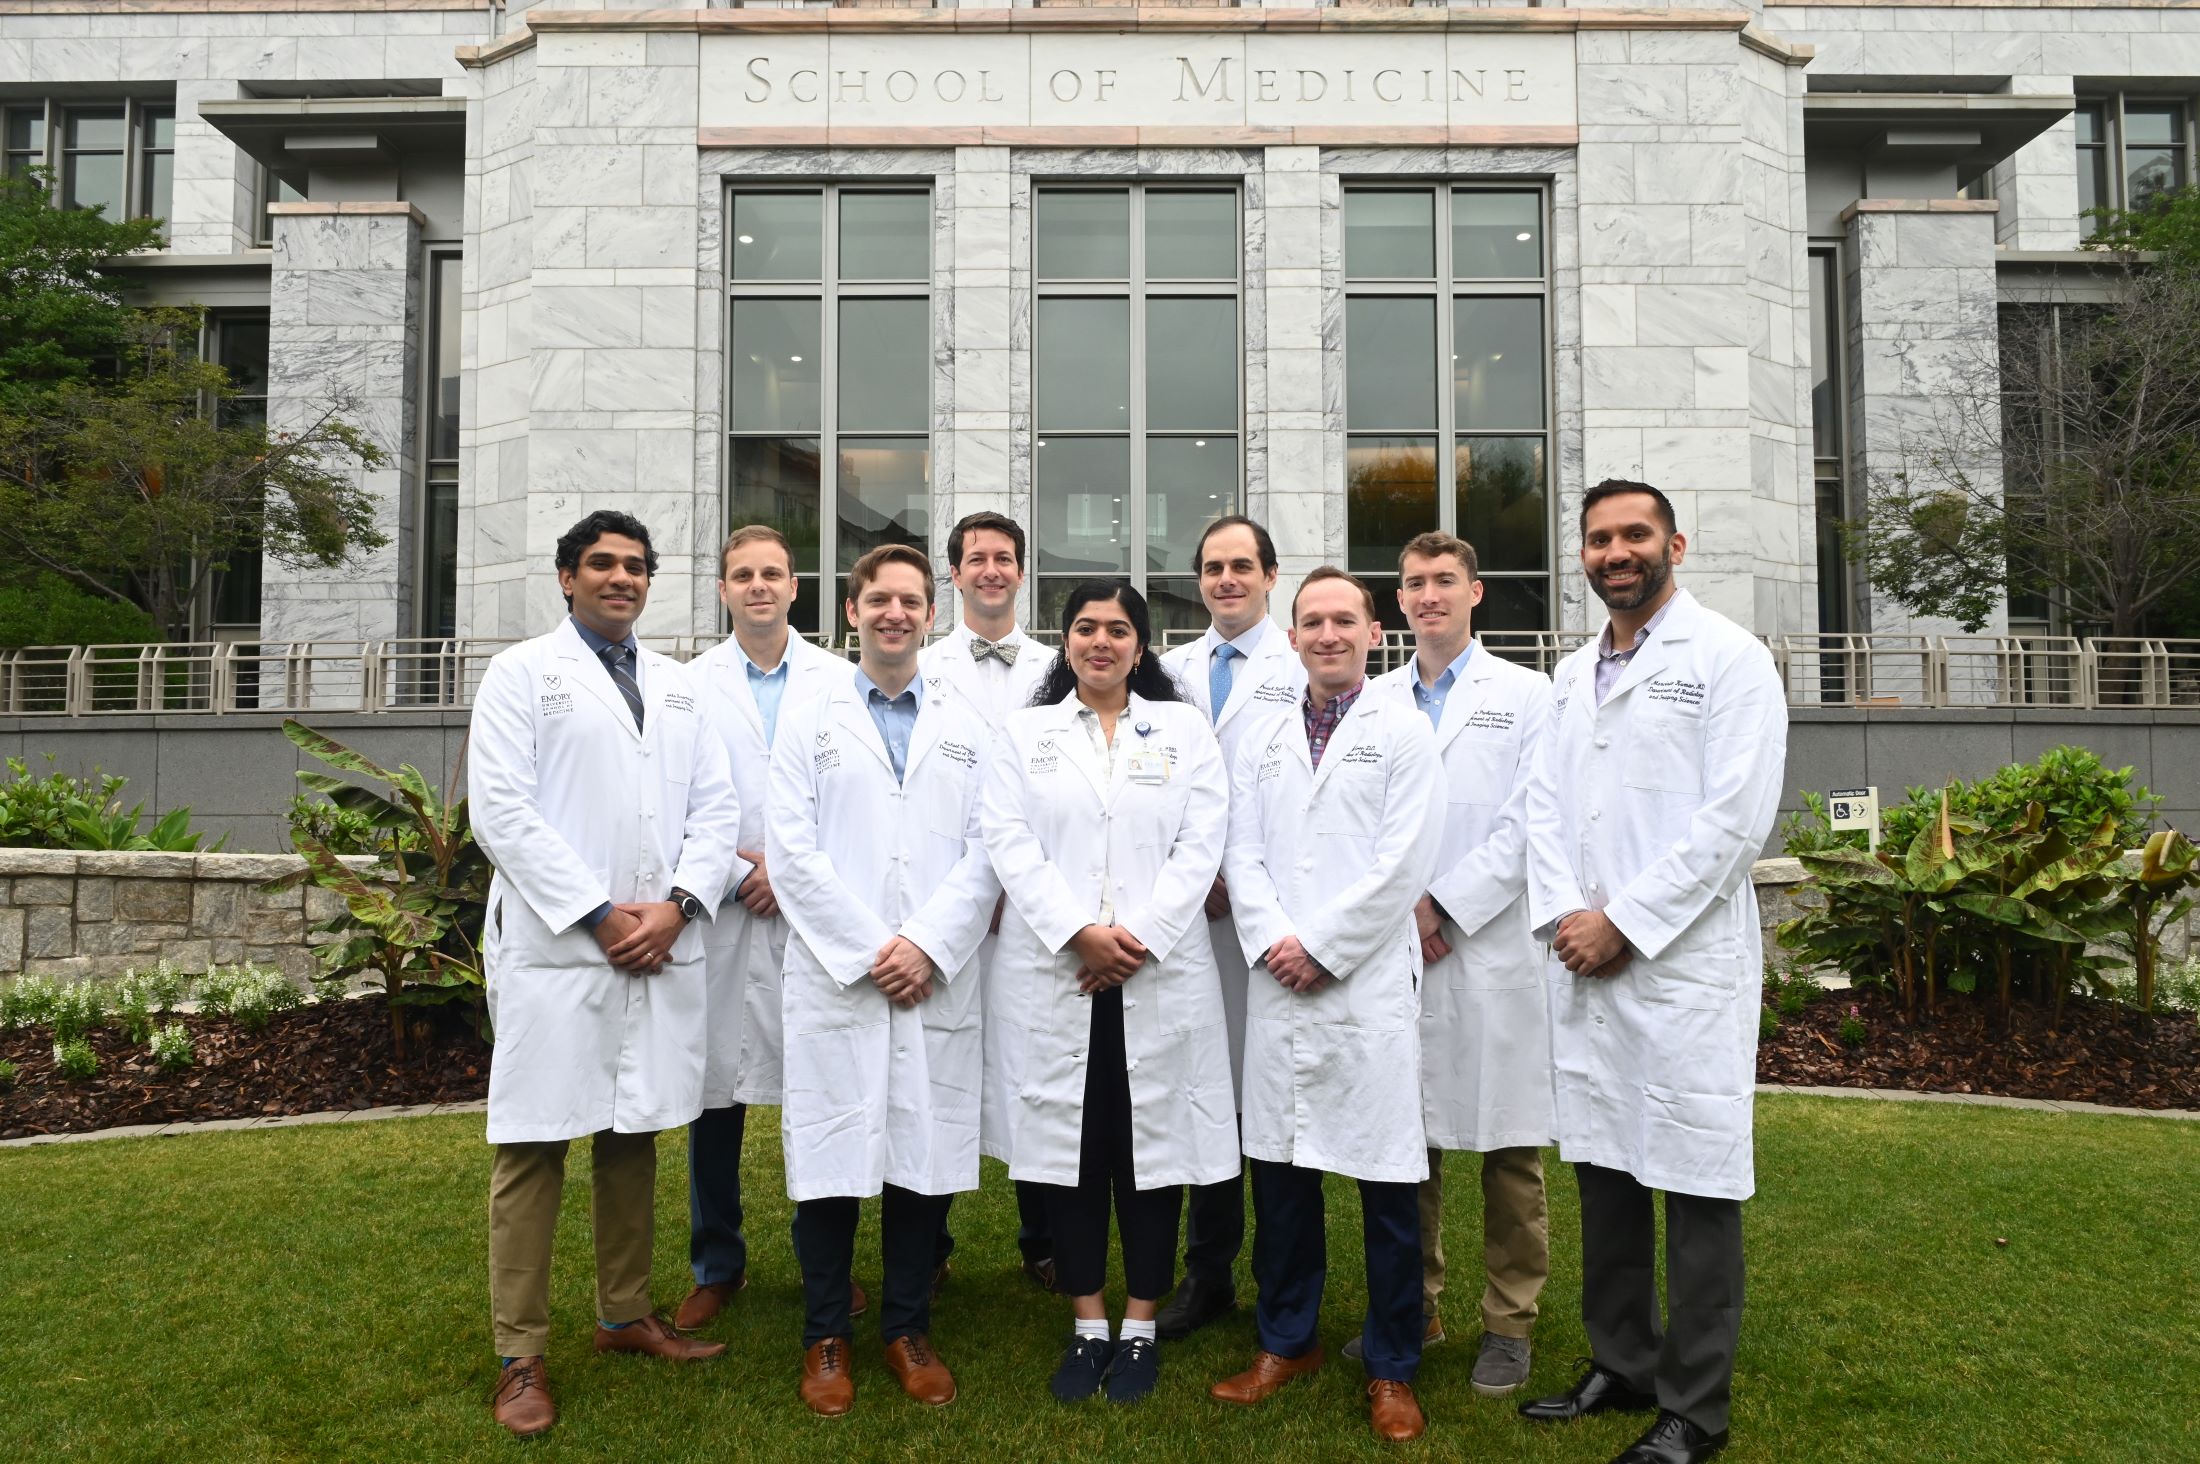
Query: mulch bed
x,y
2103,1053
328,1055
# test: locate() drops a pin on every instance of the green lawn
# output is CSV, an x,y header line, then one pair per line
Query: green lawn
x,y
320,1293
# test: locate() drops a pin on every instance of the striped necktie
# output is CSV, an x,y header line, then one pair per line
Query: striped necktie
x,y
614,661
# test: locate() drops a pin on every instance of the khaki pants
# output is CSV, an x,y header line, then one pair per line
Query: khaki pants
x,y
1516,1238
526,1184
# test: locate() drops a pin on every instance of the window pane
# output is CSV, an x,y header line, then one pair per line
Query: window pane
x,y
1084,350
440,610
93,180
1390,362
1084,234
237,588
95,129
26,131
1389,235
2153,170
1384,587
885,366
1191,365
1825,325
160,129
802,615
1514,604
160,185
885,236
448,298
774,482
1502,508
775,370
2155,124
1175,605
885,495
1497,361
1191,236
2092,184
1190,482
1390,495
778,236
1496,236
2090,126
242,352
1084,505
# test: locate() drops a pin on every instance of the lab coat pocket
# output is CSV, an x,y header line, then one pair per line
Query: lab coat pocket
x,y
1667,753
1698,970
1485,762
1694,1143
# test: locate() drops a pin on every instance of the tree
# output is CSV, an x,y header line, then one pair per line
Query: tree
x,y
119,470
2096,412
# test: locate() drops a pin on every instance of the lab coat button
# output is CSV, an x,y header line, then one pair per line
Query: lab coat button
x,y
1131,1066
1595,814
1604,742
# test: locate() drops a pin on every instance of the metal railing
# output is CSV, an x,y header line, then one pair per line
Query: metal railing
x,y
2062,672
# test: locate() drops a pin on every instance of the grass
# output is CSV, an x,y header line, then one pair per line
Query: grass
x,y
320,1293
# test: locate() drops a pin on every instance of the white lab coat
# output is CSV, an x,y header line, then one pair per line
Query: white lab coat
x,y
1485,1022
1061,831
1337,857
879,1094
743,954
1270,677
991,688
1652,808
575,807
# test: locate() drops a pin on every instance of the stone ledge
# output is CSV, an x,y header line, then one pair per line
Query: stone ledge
x,y
373,207
1162,18
1920,205
1126,137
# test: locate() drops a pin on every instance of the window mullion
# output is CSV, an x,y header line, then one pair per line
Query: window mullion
x,y
828,415
1447,453
2120,181
1135,519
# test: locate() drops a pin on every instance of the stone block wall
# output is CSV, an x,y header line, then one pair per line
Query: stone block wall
x,y
85,916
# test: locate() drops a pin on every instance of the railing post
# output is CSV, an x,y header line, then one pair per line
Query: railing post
x,y
1936,671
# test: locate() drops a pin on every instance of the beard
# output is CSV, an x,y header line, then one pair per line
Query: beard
x,y
1650,583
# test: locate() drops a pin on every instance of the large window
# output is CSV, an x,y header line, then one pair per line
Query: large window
x,y
829,361
2131,149
1138,358
1447,411
437,568
237,342
1828,408
117,156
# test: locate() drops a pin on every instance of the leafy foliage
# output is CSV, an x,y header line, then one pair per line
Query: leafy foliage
x,y
248,994
172,1048
73,1058
47,610
342,830
62,812
9,1072
60,312
27,1001
414,917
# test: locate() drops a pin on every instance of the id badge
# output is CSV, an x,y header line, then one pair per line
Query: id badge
x,y
1149,767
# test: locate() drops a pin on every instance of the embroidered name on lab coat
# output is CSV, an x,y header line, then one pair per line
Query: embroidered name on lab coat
x,y
679,701
1270,692
1675,689
1492,719
957,752
1364,754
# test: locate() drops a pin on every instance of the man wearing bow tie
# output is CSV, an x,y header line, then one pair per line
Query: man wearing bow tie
x,y
994,667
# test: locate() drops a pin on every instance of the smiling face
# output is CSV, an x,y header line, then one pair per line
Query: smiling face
x,y
757,586
1232,583
1628,553
892,614
1101,647
1437,597
1333,634
610,587
987,576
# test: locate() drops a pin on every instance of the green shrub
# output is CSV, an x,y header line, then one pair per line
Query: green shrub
x,y
61,812
1768,1022
47,610
74,1058
172,1048
2074,787
8,1074
158,989
78,1009
27,1001
248,995
1852,1028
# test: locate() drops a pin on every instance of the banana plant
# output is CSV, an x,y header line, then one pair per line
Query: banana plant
x,y
414,916
2169,864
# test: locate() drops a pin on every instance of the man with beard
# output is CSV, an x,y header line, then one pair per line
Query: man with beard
x,y
1649,800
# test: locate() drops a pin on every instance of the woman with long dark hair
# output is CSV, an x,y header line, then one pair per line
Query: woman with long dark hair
x,y
1105,808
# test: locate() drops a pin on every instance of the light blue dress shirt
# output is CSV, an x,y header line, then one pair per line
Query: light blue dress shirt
x,y
597,645
895,717
1430,699
769,688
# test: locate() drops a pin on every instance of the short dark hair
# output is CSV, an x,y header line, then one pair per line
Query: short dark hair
x,y
604,521
1614,487
866,569
753,534
1331,572
999,523
1266,545
1433,545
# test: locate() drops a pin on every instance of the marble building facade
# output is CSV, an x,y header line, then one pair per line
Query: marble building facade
x,y
858,270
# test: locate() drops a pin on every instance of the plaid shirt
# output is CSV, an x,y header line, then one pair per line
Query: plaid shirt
x,y
1321,725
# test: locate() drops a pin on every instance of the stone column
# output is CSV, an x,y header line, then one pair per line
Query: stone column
x,y
2037,186
979,465
1304,457
1923,321
345,307
215,183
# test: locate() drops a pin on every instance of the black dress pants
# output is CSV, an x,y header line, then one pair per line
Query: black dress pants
x,y
825,1247
1145,1219
1687,1358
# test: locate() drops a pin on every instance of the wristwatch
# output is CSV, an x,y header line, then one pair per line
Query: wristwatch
x,y
691,909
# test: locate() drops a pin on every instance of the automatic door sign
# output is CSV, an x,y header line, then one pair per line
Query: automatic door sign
x,y
1854,808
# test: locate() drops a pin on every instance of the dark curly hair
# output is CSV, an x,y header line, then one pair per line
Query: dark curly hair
x,y
603,521
1148,679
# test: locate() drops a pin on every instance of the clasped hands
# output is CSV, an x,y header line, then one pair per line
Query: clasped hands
x,y
1591,945
1109,956
902,972
1291,965
638,938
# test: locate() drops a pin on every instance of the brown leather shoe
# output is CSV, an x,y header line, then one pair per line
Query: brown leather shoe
x,y
923,1376
859,1301
1268,1373
521,1402
706,1302
1393,1411
654,1336
827,1385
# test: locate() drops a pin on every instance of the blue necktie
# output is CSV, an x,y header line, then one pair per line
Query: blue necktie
x,y
1218,680
614,660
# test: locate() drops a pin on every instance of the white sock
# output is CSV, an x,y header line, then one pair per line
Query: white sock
x,y
1137,1329
1093,1327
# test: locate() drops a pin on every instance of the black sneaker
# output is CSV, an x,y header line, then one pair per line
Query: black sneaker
x,y
1196,1303
1135,1370
1083,1368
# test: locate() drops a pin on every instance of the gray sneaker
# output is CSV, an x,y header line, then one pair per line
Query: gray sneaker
x,y
1502,1365
1430,1336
